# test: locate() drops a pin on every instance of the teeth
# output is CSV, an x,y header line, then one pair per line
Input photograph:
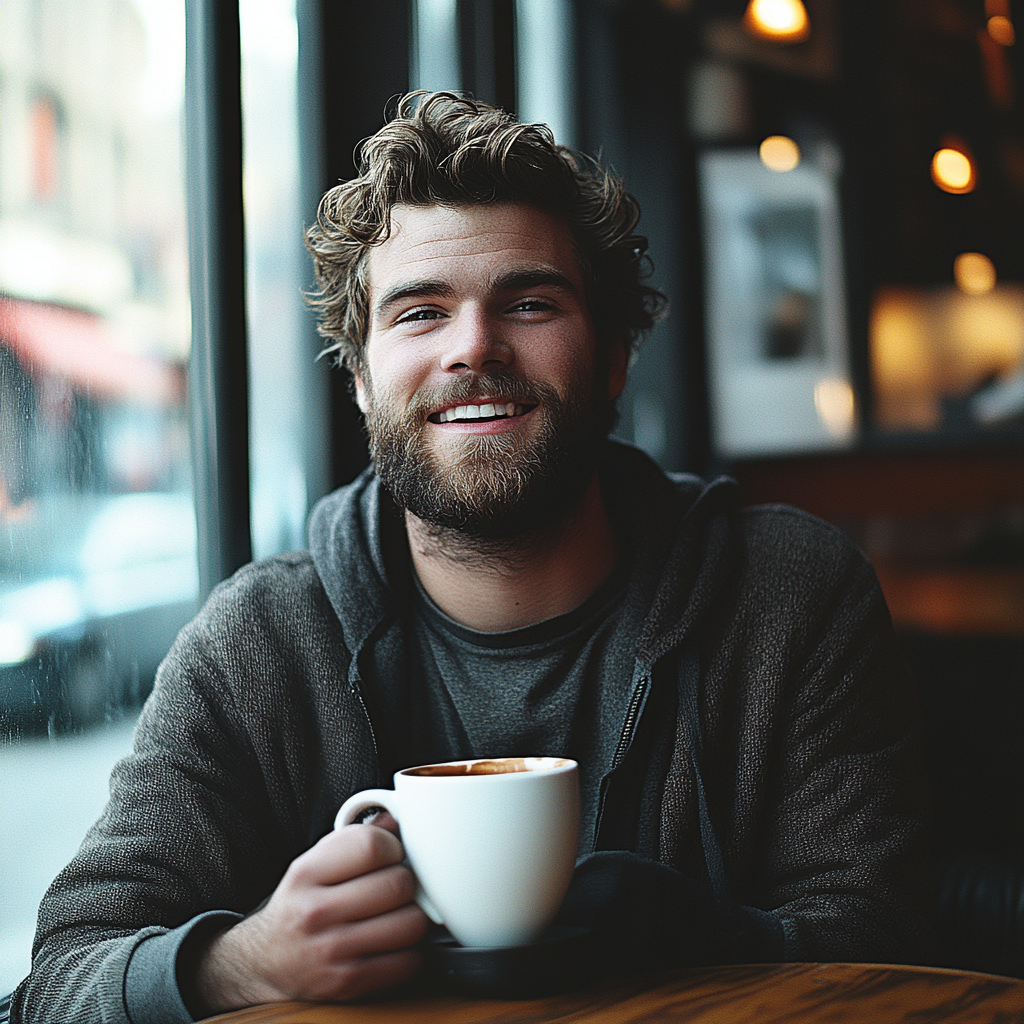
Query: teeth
x,y
475,412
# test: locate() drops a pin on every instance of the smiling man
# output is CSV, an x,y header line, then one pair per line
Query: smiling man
x,y
504,580
486,403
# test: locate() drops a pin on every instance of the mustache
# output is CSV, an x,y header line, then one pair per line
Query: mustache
x,y
502,387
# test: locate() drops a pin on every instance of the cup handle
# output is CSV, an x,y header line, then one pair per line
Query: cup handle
x,y
359,802
385,798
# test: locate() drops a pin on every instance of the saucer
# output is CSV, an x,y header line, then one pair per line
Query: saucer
x,y
560,960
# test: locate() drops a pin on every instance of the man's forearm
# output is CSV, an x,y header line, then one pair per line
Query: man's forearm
x,y
213,972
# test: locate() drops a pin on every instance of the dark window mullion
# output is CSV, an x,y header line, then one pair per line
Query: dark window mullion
x,y
218,368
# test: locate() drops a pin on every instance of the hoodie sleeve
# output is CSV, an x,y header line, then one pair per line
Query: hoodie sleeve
x,y
167,849
830,805
205,815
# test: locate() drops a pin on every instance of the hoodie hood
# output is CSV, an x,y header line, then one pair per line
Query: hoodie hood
x,y
349,532
677,528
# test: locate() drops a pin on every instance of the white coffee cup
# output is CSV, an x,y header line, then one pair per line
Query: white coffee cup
x,y
492,842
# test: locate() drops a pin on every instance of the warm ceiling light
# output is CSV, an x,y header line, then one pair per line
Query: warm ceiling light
x,y
1000,28
953,171
781,21
974,273
779,153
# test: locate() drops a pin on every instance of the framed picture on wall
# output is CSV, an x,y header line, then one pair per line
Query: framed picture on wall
x,y
778,359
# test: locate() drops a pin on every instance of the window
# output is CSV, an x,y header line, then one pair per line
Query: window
x,y
287,450
97,526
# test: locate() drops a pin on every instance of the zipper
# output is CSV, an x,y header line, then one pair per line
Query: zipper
x,y
637,700
636,703
356,687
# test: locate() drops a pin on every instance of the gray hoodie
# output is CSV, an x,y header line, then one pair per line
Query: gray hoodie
x,y
768,751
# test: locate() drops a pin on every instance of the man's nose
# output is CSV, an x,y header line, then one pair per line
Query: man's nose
x,y
475,343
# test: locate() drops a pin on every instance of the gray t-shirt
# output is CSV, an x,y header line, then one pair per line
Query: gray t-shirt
x,y
544,690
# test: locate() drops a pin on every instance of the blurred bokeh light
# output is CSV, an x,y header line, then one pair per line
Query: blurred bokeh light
x,y
974,273
953,170
1000,28
779,153
933,351
836,406
781,21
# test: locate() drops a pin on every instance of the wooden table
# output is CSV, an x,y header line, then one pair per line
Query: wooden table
x,y
758,994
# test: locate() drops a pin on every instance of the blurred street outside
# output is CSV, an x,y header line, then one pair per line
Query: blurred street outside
x,y
51,791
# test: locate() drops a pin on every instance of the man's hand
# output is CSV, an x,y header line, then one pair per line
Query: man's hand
x,y
339,924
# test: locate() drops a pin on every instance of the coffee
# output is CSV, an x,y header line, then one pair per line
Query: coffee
x,y
497,766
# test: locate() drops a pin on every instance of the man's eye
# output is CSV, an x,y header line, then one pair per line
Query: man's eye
x,y
532,306
419,314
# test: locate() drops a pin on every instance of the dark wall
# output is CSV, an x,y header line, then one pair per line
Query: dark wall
x,y
913,74
972,707
355,61
633,59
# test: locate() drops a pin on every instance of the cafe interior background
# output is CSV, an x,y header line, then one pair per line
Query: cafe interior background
x,y
834,194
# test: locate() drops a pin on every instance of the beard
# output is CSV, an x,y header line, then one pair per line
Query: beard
x,y
490,487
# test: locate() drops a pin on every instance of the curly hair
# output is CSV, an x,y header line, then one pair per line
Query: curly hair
x,y
444,149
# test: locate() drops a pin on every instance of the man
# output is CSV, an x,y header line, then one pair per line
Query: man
x,y
503,581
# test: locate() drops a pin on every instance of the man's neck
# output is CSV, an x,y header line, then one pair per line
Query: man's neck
x,y
498,586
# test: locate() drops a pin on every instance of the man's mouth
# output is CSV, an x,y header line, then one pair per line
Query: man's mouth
x,y
484,411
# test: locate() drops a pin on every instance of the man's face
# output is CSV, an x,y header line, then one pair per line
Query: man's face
x,y
479,376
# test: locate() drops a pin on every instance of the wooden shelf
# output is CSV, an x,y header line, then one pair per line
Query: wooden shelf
x,y
846,488
978,601
861,491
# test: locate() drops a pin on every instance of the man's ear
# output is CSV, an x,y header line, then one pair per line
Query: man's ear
x,y
357,379
618,367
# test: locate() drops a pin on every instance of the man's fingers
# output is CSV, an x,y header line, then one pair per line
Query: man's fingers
x,y
379,892
341,923
385,933
346,853
371,895
383,819
357,978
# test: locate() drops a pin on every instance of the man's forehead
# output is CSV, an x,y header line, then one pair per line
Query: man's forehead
x,y
482,241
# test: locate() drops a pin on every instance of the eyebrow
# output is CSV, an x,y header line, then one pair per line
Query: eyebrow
x,y
412,290
520,280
